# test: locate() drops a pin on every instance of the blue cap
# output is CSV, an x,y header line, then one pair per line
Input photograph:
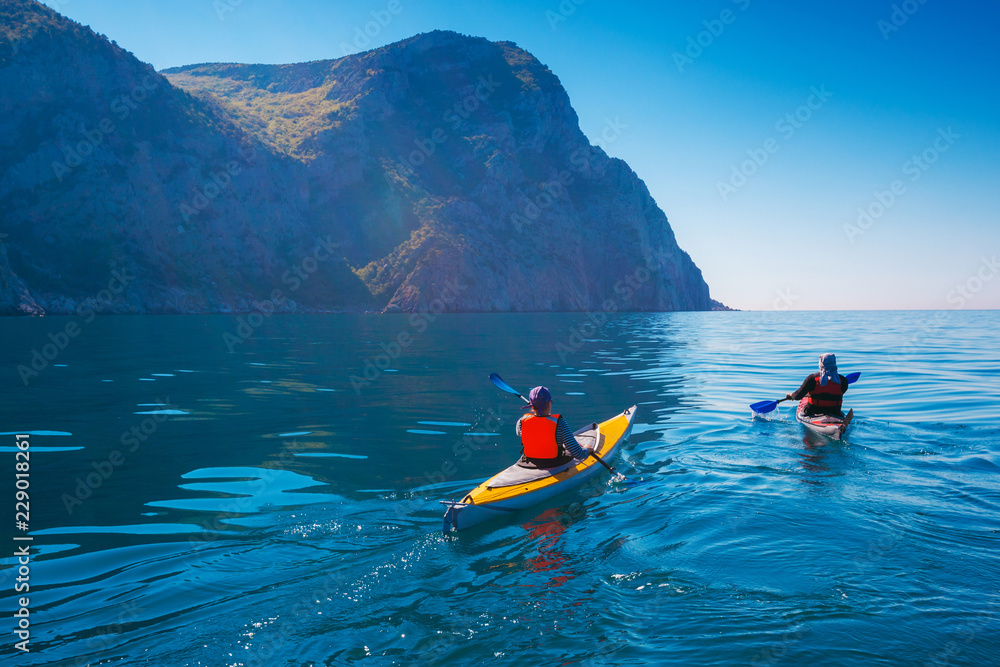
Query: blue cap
x,y
539,397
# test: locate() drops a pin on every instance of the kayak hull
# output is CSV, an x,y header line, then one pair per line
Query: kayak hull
x,y
489,501
831,427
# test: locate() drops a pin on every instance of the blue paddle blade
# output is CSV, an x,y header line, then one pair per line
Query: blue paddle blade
x,y
763,407
498,381
852,378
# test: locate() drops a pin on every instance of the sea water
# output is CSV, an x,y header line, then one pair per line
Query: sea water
x,y
210,491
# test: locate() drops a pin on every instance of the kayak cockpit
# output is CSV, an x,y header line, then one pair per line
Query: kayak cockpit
x,y
518,473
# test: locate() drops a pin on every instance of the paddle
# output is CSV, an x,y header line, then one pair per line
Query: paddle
x,y
498,381
763,407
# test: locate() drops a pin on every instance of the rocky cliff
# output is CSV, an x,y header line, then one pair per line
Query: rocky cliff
x,y
443,172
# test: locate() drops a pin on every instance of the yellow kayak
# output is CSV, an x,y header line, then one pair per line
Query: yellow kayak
x,y
517,487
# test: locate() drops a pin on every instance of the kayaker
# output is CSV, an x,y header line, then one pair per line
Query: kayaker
x,y
546,438
825,389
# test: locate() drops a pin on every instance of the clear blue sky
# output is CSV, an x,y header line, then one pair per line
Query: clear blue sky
x,y
778,238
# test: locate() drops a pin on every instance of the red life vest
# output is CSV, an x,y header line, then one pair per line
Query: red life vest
x,y
538,436
830,396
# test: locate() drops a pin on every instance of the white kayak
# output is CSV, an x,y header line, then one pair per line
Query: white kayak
x,y
828,425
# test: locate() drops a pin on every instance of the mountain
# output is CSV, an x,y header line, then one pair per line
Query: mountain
x,y
442,172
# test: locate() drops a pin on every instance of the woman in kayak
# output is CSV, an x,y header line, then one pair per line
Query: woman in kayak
x,y
545,437
825,389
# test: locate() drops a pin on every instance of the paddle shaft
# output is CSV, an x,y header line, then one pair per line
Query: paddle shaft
x,y
601,461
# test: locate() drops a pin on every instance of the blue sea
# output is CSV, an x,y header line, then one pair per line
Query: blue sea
x,y
209,491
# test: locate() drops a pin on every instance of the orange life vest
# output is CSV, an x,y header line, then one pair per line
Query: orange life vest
x,y
538,436
830,396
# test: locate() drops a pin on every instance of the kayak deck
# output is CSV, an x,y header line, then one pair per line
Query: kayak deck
x,y
517,474
516,487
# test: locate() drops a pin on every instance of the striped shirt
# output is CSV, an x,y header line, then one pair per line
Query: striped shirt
x,y
564,438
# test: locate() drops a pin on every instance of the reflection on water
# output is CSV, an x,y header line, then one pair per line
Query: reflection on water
x,y
259,508
243,490
545,531
816,451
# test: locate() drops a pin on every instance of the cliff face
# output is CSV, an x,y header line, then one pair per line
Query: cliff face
x,y
440,172
106,169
